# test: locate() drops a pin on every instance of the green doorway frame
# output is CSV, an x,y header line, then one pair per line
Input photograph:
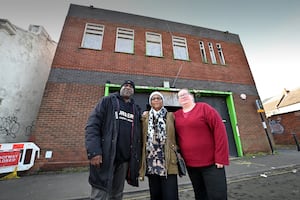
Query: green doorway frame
x,y
229,101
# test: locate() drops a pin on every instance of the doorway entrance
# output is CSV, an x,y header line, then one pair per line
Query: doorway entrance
x,y
221,101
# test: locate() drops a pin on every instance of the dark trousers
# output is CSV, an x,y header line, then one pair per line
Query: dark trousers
x,y
163,188
120,172
209,183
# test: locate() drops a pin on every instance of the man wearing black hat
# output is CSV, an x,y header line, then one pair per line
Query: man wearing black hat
x,y
113,143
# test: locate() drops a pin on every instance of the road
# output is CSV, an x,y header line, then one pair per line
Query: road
x,y
285,185
278,186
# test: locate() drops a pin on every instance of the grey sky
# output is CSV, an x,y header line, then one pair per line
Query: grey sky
x,y
268,29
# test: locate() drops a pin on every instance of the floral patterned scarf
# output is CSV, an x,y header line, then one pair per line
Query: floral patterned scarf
x,y
156,127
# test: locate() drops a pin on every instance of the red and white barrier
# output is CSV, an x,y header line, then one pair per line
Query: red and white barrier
x,y
20,156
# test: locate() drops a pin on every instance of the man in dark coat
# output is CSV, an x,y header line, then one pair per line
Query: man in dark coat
x,y
113,143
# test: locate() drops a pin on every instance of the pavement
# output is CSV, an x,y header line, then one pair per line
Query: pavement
x,y
74,185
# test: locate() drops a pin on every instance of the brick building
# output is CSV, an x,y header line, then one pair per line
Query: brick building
x,y
99,49
283,113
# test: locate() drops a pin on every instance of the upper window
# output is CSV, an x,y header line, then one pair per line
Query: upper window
x,y
153,44
180,50
93,36
212,53
220,52
202,52
125,40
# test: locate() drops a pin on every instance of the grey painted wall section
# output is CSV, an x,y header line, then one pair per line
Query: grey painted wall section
x,y
59,75
25,62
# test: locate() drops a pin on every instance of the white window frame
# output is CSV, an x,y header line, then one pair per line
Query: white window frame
x,y
221,55
212,53
153,44
202,52
124,40
180,50
93,36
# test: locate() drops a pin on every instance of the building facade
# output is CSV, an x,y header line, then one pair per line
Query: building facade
x,y
283,113
25,61
99,49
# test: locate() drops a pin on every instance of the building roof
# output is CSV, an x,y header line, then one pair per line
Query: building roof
x,y
149,22
288,101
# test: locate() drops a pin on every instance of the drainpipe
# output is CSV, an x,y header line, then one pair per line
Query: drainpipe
x,y
296,141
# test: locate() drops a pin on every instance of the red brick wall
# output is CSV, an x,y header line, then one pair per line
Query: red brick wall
x,y
252,133
291,124
105,60
61,121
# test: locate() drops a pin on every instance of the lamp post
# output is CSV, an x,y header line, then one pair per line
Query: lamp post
x,y
296,140
260,110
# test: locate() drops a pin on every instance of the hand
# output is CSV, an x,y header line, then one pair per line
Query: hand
x,y
96,161
144,113
219,165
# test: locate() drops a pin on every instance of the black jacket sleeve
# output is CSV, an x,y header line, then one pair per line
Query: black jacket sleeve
x,y
93,129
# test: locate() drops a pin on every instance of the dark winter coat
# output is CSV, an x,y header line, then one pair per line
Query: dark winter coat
x,y
170,156
101,139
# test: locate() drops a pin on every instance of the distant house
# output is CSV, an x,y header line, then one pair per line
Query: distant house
x,y
283,113
25,60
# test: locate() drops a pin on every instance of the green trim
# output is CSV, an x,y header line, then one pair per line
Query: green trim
x,y
229,103
106,91
234,124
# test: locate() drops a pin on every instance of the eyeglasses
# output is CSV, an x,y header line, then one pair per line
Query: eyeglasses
x,y
156,98
183,95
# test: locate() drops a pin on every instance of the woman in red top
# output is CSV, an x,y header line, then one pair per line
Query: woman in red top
x,y
203,142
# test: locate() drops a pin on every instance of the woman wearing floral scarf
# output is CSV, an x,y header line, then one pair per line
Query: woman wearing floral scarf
x,y
159,162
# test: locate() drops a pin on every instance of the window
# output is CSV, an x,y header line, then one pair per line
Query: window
x,y
125,40
93,36
212,53
180,48
220,52
153,44
202,52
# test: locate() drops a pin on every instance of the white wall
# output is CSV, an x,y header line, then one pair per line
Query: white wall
x,y
25,62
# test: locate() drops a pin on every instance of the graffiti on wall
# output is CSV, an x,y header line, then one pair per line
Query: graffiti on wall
x,y
276,127
29,128
10,126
